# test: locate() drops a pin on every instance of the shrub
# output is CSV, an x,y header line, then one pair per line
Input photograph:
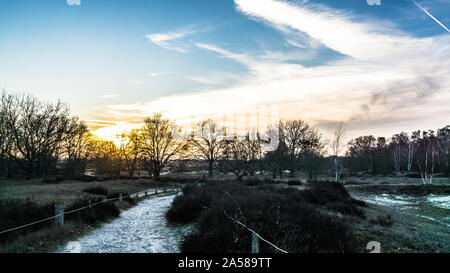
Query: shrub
x,y
177,180
382,221
14,213
125,197
294,183
252,182
99,212
96,190
335,197
283,216
185,208
413,175
52,180
87,178
270,181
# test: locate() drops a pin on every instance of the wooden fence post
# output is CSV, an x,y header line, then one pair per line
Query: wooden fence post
x,y
59,213
255,243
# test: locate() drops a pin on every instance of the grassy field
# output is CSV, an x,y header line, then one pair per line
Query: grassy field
x,y
67,191
22,202
395,230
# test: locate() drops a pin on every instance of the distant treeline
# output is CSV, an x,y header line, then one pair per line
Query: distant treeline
x,y
39,139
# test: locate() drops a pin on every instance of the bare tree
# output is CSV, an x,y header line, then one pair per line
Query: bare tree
x,y
38,130
411,149
337,147
362,148
239,156
130,151
429,150
397,145
206,142
294,135
6,138
160,142
105,156
75,147
443,141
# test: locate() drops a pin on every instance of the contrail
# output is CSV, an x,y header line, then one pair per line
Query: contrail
x,y
429,14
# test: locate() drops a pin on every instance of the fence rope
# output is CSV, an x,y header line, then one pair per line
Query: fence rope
x,y
74,210
240,223
137,195
254,232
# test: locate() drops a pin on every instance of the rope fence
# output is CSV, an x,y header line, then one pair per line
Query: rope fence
x,y
59,213
255,237
62,212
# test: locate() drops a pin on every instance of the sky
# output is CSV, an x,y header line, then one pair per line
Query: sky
x,y
378,69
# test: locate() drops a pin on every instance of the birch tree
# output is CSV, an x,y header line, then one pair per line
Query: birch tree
x,y
337,147
397,145
411,149
429,150
443,140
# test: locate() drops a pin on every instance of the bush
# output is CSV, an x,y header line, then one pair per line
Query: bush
x,y
14,213
335,197
99,212
253,182
270,181
382,221
284,217
125,197
96,191
413,175
294,183
177,180
87,178
52,180
185,208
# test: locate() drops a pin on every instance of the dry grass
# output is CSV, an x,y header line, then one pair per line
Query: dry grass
x,y
67,191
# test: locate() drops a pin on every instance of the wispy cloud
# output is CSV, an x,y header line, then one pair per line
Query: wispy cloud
x,y
216,78
164,39
389,80
159,74
242,58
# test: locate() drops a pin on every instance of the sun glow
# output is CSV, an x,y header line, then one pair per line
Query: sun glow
x,y
111,133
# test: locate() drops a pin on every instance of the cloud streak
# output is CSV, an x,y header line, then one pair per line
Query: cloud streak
x,y
431,16
387,82
164,39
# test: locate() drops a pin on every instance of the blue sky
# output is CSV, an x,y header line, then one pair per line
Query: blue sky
x,y
324,61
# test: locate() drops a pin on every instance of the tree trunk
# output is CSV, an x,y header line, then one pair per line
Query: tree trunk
x,y
336,179
210,167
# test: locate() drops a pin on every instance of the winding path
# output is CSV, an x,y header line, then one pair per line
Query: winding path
x,y
141,229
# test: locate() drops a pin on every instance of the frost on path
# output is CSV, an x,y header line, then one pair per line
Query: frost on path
x,y
141,229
